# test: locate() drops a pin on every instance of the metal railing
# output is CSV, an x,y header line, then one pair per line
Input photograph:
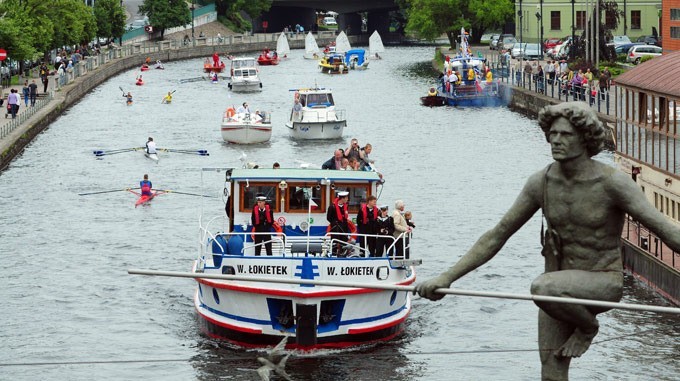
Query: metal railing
x,y
8,127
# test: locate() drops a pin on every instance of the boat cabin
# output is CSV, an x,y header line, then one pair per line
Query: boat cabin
x,y
316,99
240,63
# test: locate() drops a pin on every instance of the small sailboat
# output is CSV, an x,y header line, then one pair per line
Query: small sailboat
x,y
342,43
282,47
375,46
312,51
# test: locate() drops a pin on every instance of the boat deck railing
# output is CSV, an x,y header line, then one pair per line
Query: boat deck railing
x,y
318,116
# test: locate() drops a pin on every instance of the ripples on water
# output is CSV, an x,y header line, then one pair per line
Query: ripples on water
x,y
67,298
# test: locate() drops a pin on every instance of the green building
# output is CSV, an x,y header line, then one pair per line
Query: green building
x,y
557,17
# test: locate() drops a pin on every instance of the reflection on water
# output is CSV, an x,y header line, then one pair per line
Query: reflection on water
x,y
66,295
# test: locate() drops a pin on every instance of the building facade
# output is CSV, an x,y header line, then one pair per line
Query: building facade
x,y
670,25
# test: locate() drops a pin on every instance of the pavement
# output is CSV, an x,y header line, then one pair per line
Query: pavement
x,y
4,92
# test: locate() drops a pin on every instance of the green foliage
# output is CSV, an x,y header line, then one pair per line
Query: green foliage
x,y
165,14
646,58
236,24
110,18
621,57
231,9
73,22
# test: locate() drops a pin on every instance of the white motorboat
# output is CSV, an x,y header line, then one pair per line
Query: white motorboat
x,y
246,128
244,75
342,44
375,46
316,116
255,310
312,51
282,47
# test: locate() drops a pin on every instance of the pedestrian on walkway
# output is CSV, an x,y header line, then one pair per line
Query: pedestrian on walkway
x,y
45,82
25,91
33,92
13,103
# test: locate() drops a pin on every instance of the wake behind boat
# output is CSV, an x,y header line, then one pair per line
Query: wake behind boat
x,y
261,313
314,115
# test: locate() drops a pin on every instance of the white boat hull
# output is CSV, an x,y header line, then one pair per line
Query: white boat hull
x,y
316,130
152,156
245,86
240,133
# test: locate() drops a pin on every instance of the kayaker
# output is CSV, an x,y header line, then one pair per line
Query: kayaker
x,y
150,146
168,98
129,97
145,186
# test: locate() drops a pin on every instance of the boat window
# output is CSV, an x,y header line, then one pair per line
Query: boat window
x,y
269,190
319,100
237,73
303,100
298,197
252,72
357,194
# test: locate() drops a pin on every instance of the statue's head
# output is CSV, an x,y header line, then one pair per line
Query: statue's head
x,y
582,117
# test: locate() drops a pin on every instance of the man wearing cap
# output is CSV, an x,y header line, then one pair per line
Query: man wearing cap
x,y
367,223
262,219
338,216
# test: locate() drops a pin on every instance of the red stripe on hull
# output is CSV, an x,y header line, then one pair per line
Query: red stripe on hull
x,y
230,326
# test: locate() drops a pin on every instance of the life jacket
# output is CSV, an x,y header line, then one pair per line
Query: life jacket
x,y
341,216
364,211
267,214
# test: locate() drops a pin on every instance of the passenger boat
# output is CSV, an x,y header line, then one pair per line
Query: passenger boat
x,y
333,64
268,58
356,59
261,313
318,118
246,128
647,145
282,46
312,51
469,93
375,46
244,75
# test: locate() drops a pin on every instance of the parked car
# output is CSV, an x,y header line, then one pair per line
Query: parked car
x,y
636,52
507,43
551,43
487,37
329,21
532,51
619,40
502,40
517,50
623,49
494,41
649,40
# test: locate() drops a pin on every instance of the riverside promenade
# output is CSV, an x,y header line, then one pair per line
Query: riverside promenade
x,y
66,90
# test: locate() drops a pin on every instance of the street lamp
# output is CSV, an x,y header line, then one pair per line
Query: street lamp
x,y
541,10
572,48
193,6
538,29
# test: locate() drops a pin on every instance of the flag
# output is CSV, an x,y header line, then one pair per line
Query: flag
x,y
312,204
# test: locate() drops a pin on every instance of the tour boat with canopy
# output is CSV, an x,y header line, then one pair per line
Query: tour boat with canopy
x,y
314,115
312,51
254,311
246,128
356,59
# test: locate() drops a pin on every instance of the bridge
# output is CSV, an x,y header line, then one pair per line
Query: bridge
x,y
303,12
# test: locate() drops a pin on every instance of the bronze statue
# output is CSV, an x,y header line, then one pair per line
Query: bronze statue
x,y
584,203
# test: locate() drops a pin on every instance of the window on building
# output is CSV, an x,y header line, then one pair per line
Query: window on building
x,y
635,19
675,14
675,32
581,20
610,19
555,20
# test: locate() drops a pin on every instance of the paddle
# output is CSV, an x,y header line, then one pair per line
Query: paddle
x,y
107,191
121,89
164,101
200,152
184,193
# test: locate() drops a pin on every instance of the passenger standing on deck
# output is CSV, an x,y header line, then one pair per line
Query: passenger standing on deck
x,y
216,59
353,151
262,219
385,226
338,217
334,162
400,227
145,186
150,146
367,223
365,159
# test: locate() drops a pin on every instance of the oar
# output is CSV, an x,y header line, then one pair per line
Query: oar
x,y
113,152
121,89
184,193
201,152
106,191
446,291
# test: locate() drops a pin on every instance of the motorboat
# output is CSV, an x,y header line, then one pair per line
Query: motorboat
x,y
282,47
314,115
244,75
433,99
312,51
263,299
375,46
246,128
356,59
333,64
268,58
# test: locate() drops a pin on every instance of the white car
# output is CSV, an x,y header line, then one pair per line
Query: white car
x,y
636,52
518,49
329,21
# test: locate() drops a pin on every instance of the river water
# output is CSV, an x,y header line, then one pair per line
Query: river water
x,y
71,312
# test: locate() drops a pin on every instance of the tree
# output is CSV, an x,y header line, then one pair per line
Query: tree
x,y
74,23
607,53
29,26
231,9
165,14
110,18
432,18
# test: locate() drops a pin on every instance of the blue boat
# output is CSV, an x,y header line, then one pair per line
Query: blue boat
x,y
356,59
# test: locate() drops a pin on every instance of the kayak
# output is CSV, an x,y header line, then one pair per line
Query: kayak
x,y
144,199
139,83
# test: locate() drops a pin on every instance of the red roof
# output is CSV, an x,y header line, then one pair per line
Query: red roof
x,y
660,75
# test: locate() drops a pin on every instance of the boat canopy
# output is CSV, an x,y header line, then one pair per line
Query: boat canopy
x,y
242,174
359,54
316,99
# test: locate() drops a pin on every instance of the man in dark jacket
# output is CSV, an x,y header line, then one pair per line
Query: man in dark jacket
x,y
262,219
367,223
335,162
338,220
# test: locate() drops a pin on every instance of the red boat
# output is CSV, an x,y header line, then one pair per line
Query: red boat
x,y
268,57
432,99
209,67
145,199
144,67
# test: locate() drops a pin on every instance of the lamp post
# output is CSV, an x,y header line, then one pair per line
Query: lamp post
x,y
193,6
572,49
541,10
538,31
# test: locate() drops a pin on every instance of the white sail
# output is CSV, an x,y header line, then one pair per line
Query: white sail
x,y
311,48
342,43
375,44
282,47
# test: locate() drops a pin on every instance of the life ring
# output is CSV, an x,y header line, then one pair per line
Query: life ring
x,y
277,228
230,112
353,230
432,92
281,220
